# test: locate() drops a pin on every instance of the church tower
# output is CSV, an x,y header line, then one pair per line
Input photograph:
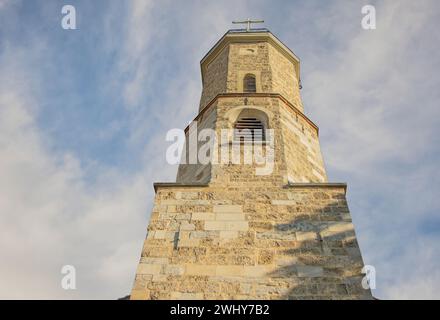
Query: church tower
x,y
259,220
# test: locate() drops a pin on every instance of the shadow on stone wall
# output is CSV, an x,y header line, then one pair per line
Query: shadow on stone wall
x,y
324,261
291,245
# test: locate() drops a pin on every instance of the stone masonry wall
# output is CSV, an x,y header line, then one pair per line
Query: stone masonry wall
x,y
197,172
274,72
258,242
297,151
223,232
249,58
301,148
296,145
215,78
225,173
284,80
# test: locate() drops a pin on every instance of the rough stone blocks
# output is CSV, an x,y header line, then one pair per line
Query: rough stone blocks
x,y
257,242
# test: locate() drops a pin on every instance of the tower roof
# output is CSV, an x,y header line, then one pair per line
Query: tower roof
x,y
254,35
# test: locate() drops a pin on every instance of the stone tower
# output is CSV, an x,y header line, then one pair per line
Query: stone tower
x,y
227,230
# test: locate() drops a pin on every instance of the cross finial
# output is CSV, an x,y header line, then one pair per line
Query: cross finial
x,y
248,22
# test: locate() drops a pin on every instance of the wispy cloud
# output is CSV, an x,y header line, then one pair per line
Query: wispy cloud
x,y
83,117
49,215
374,100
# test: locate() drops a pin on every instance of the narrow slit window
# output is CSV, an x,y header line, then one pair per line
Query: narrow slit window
x,y
249,130
249,84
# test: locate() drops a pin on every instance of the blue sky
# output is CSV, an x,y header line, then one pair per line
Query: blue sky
x,y
84,114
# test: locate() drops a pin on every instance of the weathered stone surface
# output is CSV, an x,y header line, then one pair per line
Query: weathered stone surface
x,y
224,232
200,270
228,208
309,271
145,268
268,247
203,216
227,225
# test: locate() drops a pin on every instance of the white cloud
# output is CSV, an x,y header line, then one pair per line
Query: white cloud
x,y
135,51
52,213
373,94
373,100
49,215
415,274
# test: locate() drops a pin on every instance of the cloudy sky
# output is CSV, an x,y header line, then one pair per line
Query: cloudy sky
x,y
84,114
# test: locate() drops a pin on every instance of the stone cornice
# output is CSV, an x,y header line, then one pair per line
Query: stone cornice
x,y
342,185
157,185
256,95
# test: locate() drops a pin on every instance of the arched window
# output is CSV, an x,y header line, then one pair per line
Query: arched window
x,y
248,129
249,84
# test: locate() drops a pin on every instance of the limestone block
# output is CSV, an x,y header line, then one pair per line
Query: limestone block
x,y
186,296
170,202
270,289
337,230
150,260
306,236
228,234
227,225
228,209
203,216
140,294
141,281
229,216
185,225
181,216
144,268
162,234
188,243
150,235
202,234
276,235
309,271
189,195
265,257
246,288
283,202
159,234
286,260
356,252
159,208
200,270
341,226
255,271
182,235
156,251
159,277
232,270
174,269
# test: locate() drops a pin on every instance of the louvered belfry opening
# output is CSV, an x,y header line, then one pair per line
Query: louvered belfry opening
x,y
249,84
248,129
